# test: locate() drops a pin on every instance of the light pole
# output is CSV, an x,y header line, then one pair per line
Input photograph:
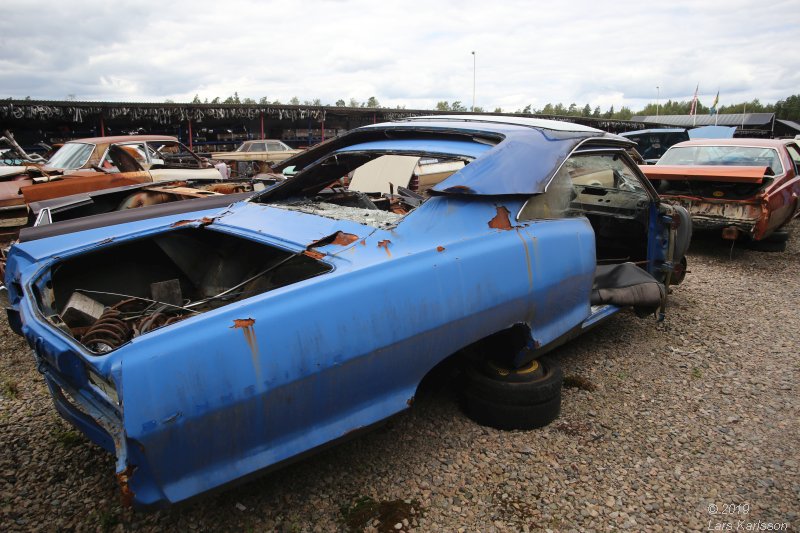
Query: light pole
x,y
658,98
473,81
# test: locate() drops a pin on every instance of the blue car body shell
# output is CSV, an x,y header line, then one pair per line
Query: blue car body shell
x,y
232,391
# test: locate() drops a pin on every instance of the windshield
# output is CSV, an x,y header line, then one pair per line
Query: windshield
x,y
739,156
71,156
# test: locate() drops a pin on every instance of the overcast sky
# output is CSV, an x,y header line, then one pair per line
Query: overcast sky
x,y
412,53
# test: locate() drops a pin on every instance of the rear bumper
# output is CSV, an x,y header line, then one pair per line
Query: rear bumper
x,y
749,217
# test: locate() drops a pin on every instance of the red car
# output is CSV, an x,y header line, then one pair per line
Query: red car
x,y
745,188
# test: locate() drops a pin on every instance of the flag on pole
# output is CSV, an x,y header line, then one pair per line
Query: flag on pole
x,y
693,111
713,110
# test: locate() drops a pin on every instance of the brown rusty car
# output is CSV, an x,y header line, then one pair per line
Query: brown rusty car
x,y
86,165
744,188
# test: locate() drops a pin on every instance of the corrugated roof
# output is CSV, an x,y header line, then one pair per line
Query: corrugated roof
x,y
728,119
789,123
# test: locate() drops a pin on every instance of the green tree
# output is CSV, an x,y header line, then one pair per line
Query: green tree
x,y
596,112
263,100
294,101
444,105
498,110
215,100
248,101
457,106
196,99
478,109
373,102
573,109
353,103
340,103
233,99
548,109
587,111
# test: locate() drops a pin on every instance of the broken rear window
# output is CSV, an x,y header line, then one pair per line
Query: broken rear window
x,y
377,183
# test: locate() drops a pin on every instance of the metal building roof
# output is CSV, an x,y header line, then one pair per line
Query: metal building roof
x,y
790,124
731,119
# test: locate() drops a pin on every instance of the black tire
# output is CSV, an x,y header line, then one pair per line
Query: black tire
x,y
507,399
767,246
507,417
778,236
486,381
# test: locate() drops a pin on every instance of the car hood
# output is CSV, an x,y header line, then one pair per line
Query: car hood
x,y
282,227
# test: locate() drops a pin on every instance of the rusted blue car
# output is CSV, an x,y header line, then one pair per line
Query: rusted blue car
x,y
202,343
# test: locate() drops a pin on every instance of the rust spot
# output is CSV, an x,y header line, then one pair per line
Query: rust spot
x,y
243,323
314,255
363,242
343,239
339,238
410,401
385,245
440,248
501,220
205,221
123,478
460,189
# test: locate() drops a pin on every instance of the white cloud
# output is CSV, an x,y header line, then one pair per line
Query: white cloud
x,y
411,53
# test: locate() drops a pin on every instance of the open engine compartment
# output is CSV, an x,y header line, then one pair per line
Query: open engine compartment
x,y
107,297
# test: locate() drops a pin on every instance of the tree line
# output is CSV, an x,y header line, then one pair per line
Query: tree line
x,y
787,108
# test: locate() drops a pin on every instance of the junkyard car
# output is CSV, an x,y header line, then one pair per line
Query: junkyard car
x,y
94,164
203,347
254,157
742,187
654,142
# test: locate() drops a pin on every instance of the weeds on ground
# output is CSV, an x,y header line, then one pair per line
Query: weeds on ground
x,y
66,437
579,382
364,511
9,389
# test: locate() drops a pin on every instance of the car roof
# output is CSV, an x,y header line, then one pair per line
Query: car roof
x,y
522,157
123,138
530,122
261,140
654,130
739,141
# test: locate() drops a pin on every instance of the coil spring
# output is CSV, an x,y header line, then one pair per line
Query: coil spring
x,y
108,331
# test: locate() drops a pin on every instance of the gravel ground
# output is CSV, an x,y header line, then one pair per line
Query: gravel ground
x,y
661,423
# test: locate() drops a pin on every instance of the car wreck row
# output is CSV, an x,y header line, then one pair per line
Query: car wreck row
x,y
293,318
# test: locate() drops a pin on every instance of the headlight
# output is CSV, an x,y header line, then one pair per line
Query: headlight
x,y
106,386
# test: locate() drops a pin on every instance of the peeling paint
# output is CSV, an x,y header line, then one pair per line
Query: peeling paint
x,y
501,219
313,254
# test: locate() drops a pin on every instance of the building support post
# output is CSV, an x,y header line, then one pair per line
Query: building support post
x,y
262,125
190,135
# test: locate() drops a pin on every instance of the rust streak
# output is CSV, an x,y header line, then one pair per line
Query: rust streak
x,y
123,478
501,220
246,325
385,245
181,223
